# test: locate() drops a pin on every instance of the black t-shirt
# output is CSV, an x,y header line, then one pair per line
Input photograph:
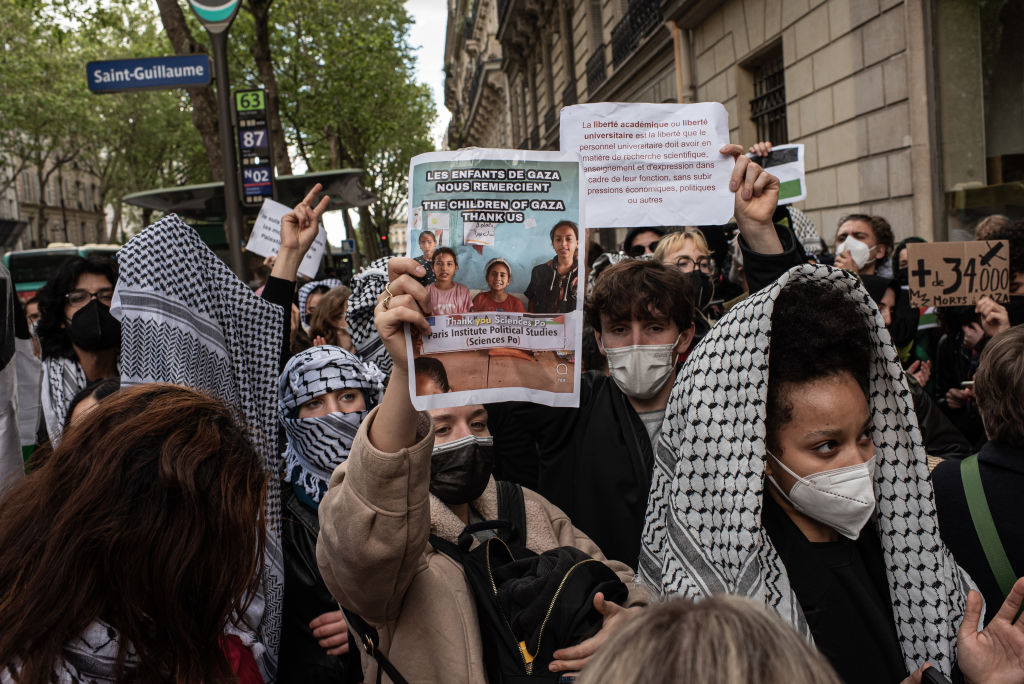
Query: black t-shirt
x,y
843,591
550,291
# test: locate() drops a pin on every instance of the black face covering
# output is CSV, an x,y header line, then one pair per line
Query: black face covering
x,y
1015,309
459,470
93,328
703,288
901,275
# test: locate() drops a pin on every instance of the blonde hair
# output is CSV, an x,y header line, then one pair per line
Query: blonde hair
x,y
674,241
719,640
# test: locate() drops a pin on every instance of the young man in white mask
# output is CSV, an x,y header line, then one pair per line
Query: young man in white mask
x,y
863,244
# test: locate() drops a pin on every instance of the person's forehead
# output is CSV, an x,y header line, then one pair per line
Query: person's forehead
x,y
564,231
497,268
458,413
646,237
92,280
656,318
855,226
426,236
687,248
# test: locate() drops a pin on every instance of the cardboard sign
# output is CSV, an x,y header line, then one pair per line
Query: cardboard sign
x,y
265,239
523,208
958,273
651,164
786,162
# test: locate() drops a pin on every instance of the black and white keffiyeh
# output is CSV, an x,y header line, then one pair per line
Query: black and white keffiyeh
x,y
316,446
90,658
703,534
367,286
307,289
62,380
187,319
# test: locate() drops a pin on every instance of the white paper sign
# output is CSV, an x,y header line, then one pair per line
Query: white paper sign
x,y
479,233
265,239
651,164
786,162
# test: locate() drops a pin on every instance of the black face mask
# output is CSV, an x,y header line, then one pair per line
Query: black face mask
x,y
901,275
460,470
1015,309
703,288
93,328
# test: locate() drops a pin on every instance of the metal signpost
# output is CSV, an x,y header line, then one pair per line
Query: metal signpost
x,y
216,17
148,73
254,147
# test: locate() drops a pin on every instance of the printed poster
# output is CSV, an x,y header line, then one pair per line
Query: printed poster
x,y
508,296
651,164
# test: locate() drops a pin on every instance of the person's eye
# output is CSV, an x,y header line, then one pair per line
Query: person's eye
x,y
617,330
825,447
865,436
478,425
442,430
348,396
313,403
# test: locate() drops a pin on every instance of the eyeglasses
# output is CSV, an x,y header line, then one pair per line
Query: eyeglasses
x,y
688,265
640,250
80,297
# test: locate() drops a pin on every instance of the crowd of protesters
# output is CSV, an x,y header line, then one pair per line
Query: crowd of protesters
x,y
779,469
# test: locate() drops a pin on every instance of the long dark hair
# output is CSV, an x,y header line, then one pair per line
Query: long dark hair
x,y
148,516
54,339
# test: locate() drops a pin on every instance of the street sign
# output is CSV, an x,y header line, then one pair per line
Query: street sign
x,y
254,147
148,73
215,15
348,247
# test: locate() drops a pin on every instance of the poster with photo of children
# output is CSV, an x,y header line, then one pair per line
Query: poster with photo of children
x,y
505,288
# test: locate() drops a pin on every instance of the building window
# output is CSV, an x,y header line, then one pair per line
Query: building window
x,y
768,106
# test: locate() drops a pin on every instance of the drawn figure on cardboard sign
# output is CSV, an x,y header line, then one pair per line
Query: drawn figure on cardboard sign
x,y
446,295
427,244
499,276
552,287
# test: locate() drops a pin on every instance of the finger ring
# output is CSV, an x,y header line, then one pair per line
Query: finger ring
x,y
387,301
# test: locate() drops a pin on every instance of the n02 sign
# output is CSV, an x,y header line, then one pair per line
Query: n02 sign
x,y
256,180
958,273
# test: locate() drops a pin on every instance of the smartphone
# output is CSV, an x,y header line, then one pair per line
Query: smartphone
x,y
967,384
571,679
933,676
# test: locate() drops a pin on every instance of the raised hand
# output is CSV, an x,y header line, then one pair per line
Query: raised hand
x,y
757,196
995,655
299,228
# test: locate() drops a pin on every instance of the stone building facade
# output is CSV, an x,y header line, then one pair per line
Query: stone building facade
x,y
66,209
910,109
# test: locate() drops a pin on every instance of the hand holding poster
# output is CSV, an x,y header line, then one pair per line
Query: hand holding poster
x,y
651,164
786,162
265,239
958,273
507,297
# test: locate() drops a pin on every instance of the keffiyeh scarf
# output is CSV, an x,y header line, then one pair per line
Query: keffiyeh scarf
x,y
307,289
189,320
703,533
367,286
90,658
316,446
62,380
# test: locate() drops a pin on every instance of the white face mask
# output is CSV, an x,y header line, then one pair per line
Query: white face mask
x,y
641,370
859,251
842,498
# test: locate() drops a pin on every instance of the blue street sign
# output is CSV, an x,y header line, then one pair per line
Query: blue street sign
x,y
348,247
256,181
148,73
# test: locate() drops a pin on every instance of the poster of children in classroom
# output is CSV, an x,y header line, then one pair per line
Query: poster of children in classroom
x,y
498,233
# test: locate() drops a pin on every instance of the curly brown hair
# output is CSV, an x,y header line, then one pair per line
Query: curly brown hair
x,y
149,517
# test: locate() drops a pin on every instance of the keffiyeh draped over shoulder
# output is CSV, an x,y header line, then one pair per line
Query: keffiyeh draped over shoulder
x,y
307,289
703,534
316,446
187,319
367,286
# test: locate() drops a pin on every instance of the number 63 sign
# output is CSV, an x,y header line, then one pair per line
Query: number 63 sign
x,y
958,273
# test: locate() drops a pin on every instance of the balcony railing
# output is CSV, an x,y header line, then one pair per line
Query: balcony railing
x,y
595,70
642,17
569,95
549,120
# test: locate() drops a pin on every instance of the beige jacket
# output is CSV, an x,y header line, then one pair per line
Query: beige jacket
x,y
375,558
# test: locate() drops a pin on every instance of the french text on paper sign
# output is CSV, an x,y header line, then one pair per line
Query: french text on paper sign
x,y
958,273
495,329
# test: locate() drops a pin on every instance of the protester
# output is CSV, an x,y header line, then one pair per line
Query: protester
x,y
10,435
310,295
127,553
789,216
376,558
499,276
367,286
1015,236
79,339
989,225
721,640
328,324
642,241
89,397
325,392
999,388
789,470
688,252
446,295
553,284
428,243
32,315
863,243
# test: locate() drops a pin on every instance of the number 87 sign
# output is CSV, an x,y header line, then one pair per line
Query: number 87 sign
x,y
958,273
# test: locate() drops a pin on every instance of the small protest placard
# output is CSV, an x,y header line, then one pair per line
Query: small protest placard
x,y
958,273
265,238
786,162
651,164
507,300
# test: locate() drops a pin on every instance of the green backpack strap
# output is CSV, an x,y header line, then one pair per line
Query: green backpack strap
x,y
984,526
